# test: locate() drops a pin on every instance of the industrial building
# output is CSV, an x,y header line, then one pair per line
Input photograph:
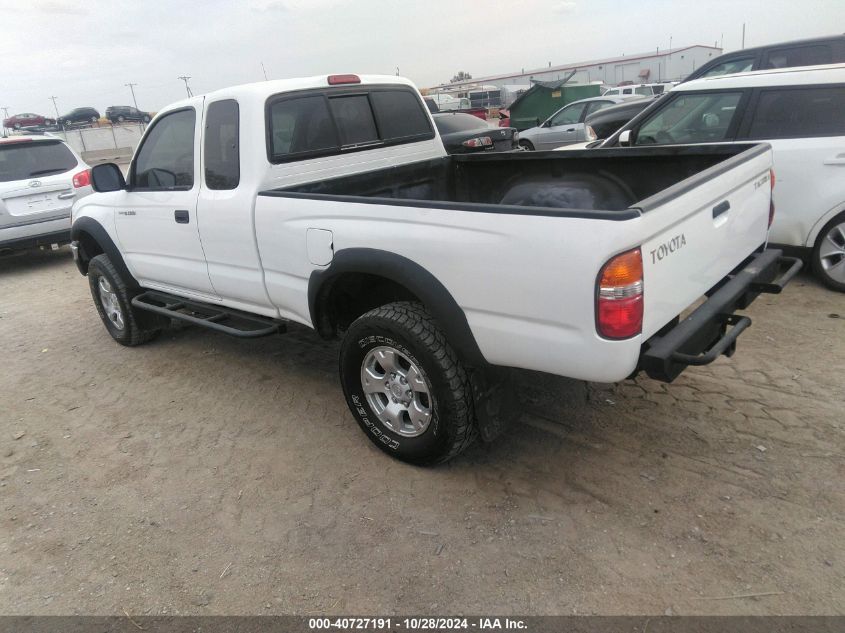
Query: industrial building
x,y
657,66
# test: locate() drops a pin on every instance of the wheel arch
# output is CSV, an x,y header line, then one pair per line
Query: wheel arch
x,y
94,240
821,223
385,276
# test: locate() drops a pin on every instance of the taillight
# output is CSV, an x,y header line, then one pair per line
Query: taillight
x,y
619,303
82,179
335,80
772,200
479,141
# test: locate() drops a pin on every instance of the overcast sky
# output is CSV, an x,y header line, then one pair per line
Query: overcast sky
x,y
83,52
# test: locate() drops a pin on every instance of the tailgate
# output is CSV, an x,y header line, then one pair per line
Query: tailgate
x,y
28,205
703,228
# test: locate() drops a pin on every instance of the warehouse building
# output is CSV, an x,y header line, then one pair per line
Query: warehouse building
x,y
658,66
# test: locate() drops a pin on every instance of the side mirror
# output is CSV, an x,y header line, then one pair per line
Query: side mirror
x,y
625,138
107,177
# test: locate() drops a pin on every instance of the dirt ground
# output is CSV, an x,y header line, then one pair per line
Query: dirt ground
x,y
205,475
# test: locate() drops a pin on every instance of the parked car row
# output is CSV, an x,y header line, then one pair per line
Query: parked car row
x,y
76,117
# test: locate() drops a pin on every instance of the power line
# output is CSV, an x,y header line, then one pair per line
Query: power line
x,y
187,87
132,90
55,107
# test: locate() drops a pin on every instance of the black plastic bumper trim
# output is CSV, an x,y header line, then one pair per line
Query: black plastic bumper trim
x,y
703,336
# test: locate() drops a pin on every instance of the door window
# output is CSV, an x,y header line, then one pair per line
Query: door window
x,y
222,152
799,112
570,114
731,66
799,56
165,161
691,118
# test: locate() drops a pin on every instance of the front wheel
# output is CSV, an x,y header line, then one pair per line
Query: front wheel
x,y
527,145
829,254
112,298
406,386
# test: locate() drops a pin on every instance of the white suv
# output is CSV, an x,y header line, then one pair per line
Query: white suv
x,y
801,113
40,178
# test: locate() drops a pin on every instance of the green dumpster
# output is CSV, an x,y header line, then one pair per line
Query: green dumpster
x,y
545,98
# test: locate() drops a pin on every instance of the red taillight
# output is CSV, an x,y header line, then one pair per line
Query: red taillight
x,y
82,179
619,303
479,141
335,80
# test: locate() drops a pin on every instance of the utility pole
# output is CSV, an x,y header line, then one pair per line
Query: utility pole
x,y
55,107
5,112
264,70
187,87
743,35
131,87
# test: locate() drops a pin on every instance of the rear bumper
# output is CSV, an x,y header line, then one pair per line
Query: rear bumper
x,y
44,239
36,232
703,336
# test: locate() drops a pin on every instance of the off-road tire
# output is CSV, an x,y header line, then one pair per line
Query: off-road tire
x,y
132,333
410,329
816,259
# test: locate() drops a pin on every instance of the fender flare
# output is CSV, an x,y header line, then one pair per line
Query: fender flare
x,y
425,286
101,236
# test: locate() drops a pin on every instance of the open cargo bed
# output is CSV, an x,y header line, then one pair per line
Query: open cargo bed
x,y
614,184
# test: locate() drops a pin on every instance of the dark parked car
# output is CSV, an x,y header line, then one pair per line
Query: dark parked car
x,y
119,114
607,120
80,115
27,119
812,52
464,133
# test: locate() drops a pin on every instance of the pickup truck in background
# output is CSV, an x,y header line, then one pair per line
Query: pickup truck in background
x,y
330,201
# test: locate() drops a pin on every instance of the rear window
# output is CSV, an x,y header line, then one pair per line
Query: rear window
x,y
449,123
797,112
22,161
328,123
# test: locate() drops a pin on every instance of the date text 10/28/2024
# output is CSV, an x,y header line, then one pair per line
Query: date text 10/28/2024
x,y
416,624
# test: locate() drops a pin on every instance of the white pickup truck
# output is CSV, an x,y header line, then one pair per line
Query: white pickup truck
x,y
330,201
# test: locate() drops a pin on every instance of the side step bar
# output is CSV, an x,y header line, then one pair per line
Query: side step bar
x,y
237,323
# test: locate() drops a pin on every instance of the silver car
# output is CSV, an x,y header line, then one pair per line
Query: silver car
x,y
40,179
567,124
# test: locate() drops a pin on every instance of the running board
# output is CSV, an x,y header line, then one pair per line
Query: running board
x,y
240,324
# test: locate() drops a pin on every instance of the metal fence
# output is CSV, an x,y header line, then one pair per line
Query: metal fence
x,y
120,139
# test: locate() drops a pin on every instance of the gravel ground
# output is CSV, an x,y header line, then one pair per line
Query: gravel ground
x,y
205,475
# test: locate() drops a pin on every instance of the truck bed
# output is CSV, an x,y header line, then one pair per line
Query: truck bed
x,y
614,184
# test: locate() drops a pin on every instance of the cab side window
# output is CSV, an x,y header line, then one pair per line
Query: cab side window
x,y
165,161
799,112
222,151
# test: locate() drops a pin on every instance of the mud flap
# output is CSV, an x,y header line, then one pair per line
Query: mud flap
x,y
495,400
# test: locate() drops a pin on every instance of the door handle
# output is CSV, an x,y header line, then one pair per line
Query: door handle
x,y
839,159
572,129
181,216
721,208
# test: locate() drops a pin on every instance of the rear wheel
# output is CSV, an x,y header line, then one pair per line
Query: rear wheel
x,y
94,119
146,118
406,386
112,298
528,145
121,118
829,254
17,126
